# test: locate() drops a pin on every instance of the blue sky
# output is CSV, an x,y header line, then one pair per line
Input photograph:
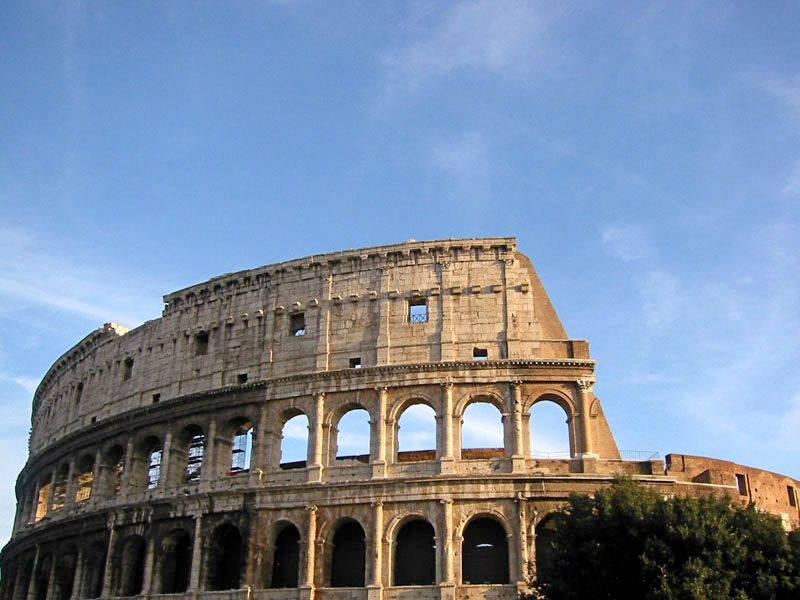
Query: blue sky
x,y
647,156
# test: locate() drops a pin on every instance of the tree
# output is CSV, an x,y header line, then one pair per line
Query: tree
x,y
627,541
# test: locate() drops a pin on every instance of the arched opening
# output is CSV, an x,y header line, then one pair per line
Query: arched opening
x,y
60,487
154,467
85,479
549,430
187,455
482,431
114,468
134,550
42,577
225,558
65,575
416,434
545,534
484,552
175,562
94,566
241,448
348,562
415,554
42,501
352,435
294,443
23,579
286,561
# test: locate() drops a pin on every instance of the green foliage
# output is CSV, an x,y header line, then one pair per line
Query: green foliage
x,y
629,542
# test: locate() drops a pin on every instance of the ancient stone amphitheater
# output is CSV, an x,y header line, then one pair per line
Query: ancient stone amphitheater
x,y
155,454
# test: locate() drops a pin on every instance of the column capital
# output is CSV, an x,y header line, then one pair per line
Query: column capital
x,y
446,501
516,383
319,395
376,504
585,384
382,389
447,385
311,508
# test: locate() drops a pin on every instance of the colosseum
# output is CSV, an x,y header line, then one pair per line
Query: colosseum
x,y
155,454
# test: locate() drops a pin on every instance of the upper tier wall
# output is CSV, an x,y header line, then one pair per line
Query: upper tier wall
x,y
480,293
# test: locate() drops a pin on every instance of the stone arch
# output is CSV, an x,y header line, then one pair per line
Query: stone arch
x,y
84,478
174,562
131,564
458,432
24,578
225,558
60,481
284,458
236,445
485,550
94,561
188,455
112,470
414,552
566,404
334,421
41,577
286,555
544,532
348,550
64,579
398,410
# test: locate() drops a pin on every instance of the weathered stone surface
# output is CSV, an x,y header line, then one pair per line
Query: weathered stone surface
x,y
249,350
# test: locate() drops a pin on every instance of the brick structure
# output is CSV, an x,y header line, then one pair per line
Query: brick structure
x,y
155,454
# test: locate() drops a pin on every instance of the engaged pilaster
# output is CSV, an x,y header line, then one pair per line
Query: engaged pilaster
x,y
447,460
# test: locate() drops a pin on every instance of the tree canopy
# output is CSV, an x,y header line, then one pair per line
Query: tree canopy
x,y
628,541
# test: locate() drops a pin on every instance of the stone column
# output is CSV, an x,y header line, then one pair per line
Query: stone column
x,y
197,554
77,579
379,435
586,447
72,483
149,565
307,581
375,587
163,478
51,579
315,469
108,576
518,445
209,468
447,460
97,475
32,590
522,539
447,581
261,444
128,483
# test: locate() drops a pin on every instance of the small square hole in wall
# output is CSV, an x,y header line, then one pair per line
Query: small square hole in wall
x,y
355,363
156,398
418,310
480,354
241,378
297,324
94,419
792,495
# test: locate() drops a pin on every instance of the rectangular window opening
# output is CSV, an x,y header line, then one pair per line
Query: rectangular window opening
x,y
297,324
355,363
201,343
741,483
480,354
156,398
418,310
127,372
241,378
792,495
79,392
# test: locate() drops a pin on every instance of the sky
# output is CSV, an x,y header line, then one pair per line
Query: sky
x,y
646,155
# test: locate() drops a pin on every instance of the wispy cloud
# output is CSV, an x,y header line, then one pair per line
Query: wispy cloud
x,y
29,384
33,274
626,241
501,37
465,161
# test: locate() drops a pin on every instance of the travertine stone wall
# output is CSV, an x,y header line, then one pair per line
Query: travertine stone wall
x,y
94,518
